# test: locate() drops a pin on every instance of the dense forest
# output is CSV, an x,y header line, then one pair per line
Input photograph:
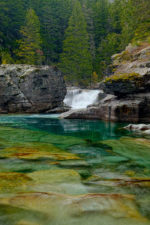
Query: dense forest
x,y
79,36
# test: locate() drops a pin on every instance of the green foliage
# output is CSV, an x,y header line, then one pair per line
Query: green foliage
x,y
130,22
76,60
80,36
30,51
144,35
12,13
109,46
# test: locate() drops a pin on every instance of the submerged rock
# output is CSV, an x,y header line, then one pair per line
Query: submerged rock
x,y
135,149
98,209
12,182
32,89
65,181
34,152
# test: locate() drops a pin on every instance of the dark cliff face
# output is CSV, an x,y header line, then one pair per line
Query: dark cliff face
x,y
30,89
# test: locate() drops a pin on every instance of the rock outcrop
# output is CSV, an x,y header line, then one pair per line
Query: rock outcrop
x,y
30,89
144,128
128,89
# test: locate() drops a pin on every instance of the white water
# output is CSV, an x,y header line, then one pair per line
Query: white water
x,y
81,98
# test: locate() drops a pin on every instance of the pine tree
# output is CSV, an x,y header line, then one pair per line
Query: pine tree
x,y
76,60
54,21
30,45
101,20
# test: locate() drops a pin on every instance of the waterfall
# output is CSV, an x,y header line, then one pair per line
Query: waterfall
x,y
81,98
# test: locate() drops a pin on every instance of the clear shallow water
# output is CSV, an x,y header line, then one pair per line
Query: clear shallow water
x,y
71,172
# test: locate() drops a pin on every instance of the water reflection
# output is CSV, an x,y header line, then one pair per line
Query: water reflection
x,y
94,130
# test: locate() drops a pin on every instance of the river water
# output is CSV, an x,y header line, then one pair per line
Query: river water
x,y
72,172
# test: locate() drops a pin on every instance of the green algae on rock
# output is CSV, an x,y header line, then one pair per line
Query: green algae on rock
x,y
35,152
12,182
137,149
55,176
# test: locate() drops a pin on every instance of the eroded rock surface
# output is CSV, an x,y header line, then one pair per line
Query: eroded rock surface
x,y
30,89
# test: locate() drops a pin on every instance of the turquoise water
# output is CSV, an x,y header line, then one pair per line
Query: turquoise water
x,y
71,172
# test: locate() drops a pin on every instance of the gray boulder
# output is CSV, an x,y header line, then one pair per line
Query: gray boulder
x,y
30,89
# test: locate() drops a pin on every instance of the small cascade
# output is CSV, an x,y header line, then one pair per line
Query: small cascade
x,y
81,98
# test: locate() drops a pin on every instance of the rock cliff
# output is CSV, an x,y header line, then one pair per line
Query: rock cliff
x,y
128,89
30,89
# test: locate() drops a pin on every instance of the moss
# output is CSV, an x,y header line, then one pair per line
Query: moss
x,y
123,77
124,56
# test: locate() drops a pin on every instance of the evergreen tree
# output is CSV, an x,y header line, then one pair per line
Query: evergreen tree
x,y
141,18
54,21
76,60
30,45
101,20
11,18
88,12
110,26
101,29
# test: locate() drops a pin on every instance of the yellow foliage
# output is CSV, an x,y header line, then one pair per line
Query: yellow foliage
x,y
6,58
94,77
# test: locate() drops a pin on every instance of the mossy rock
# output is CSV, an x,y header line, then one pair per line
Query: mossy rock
x,y
123,77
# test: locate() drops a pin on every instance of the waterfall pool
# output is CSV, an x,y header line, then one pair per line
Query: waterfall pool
x,y
72,172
